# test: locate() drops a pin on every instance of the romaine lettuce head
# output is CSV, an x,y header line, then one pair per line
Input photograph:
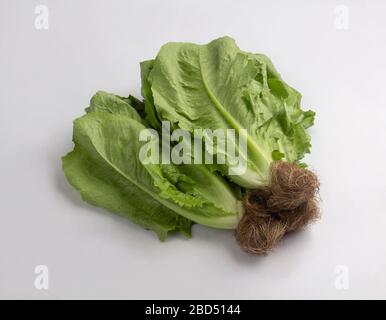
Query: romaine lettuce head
x,y
194,87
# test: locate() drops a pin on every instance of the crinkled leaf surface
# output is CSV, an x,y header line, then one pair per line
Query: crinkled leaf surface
x,y
219,86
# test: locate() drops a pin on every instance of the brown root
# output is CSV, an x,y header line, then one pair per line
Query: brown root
x,y
288,204
291,186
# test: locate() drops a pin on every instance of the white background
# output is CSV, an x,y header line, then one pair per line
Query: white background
x,y
47,78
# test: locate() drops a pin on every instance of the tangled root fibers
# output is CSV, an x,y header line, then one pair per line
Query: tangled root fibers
x,y
288,204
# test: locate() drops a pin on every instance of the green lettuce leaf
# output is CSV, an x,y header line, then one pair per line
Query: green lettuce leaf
x,y
219,86
101,183
151,116
110,103
105,168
